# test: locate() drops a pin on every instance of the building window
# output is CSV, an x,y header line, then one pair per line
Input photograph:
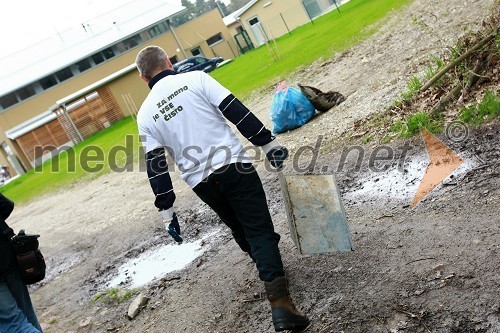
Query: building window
x,y
132,42
98,58
215,39
26,92
120,47
174,59
83,65
163,26
312,8
154,31
128,43
145,36
196,52
253,21
8,100
64,74
48,81
108,53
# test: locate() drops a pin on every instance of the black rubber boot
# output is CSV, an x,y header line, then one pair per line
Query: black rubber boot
x,y
285,314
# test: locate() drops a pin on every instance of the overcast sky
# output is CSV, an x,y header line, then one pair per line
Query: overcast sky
x,y
23,22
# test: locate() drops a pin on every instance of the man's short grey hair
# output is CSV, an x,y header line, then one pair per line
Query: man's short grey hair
x,y
149,60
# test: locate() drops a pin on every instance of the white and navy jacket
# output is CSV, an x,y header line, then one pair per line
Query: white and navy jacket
x,y
184,114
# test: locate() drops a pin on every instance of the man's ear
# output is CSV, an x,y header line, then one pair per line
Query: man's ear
x,y
144,78
168,63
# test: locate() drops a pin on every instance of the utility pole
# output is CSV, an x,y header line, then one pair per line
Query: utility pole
x,y
220,9
176,38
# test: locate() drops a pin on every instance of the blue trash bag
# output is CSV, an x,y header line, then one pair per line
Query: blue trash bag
x,y
289,109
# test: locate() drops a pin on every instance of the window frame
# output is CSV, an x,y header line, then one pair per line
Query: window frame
x,y
4,98
218,41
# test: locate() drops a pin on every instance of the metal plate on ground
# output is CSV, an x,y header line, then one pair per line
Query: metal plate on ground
x,y
315,212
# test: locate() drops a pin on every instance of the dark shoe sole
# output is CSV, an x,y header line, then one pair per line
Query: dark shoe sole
x,y
285,326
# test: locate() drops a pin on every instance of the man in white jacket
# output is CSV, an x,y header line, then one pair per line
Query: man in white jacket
x,y
185,114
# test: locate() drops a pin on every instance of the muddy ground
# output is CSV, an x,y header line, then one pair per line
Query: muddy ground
x,y
433,268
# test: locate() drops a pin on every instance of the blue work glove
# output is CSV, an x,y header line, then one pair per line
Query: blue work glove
x,y
276,156
174,229
171,224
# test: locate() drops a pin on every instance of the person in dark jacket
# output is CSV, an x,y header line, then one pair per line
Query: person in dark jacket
x,y
16,310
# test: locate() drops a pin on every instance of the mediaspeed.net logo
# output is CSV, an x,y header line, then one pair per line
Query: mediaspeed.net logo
x,y
443,160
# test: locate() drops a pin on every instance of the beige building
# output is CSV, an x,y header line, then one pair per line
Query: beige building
x,y
66,106
263,20
63,106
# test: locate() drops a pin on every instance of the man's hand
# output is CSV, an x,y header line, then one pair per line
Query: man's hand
x,y
172,226
276,156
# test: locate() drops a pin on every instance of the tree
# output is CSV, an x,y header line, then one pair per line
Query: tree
x,y
193,10
223,8
234,5
184,16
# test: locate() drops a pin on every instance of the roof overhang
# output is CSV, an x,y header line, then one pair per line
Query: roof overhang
x,y
95,85
234,17
30,124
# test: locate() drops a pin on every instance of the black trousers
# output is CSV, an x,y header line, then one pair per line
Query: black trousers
x,y
236,194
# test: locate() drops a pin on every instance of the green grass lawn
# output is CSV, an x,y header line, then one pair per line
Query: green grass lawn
x,y
330,33
255,70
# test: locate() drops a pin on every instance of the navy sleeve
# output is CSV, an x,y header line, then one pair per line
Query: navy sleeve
x,y
6,206
246,122
159,178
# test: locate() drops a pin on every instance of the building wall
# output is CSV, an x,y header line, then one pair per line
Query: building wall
x,y
232,28
129,90
276,17
50,135
207,25
42,102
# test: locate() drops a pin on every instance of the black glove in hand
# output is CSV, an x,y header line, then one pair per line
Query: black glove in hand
x,y
276,156
174,229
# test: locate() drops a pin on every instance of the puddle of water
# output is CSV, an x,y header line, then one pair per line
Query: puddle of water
x,y
393,184
155,263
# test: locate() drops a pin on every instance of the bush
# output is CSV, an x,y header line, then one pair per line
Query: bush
x,y
483,112
412,125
